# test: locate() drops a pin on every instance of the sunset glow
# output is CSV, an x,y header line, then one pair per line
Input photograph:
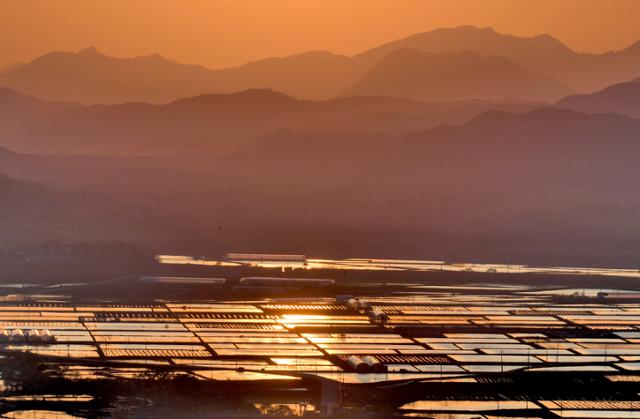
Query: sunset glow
x,y
226,33
362,209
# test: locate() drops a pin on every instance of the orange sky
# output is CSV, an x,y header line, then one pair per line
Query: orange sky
x,y
220,33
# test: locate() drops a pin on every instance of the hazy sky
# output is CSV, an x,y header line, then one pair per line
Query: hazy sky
x,y
220,33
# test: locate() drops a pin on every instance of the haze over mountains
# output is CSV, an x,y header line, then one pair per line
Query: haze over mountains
x,y
213,122
623,98
547,148
454,77
544,186
91,77
16,108
459,144
543,54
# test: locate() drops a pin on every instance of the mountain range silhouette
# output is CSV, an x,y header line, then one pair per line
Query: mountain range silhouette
x,y
89,76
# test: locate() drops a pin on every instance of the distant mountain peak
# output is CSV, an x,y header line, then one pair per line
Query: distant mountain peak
x,y
621,98
453,76
247,97
89,51
89,54
315,52
262,93
498,118
484,41
303,57
10,67
633,49
462,28
90,76
93,52
157,56
416,52
472,28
